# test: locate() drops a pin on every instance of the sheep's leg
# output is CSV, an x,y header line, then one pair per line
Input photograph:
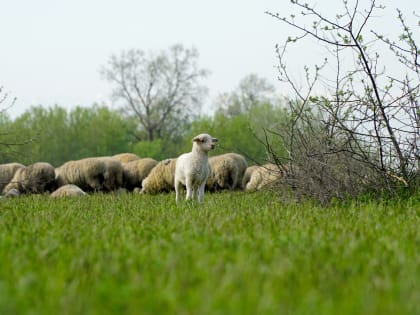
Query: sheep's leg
x,y
201,192
188,184
177,191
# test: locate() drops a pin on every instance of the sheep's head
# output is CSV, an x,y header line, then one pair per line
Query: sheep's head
x,y
205,142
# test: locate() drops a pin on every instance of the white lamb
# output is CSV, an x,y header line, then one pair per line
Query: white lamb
x,y
192,169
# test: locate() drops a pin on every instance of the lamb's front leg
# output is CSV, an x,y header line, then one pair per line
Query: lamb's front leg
x,y
201,192
188,184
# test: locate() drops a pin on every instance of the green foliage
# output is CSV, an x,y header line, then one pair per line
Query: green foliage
x,y
235,254
54,135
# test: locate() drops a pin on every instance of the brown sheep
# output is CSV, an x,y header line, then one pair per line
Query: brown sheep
x,y
126,157
161,178
36,178
265,176
86,173
227,171
7,171
135,171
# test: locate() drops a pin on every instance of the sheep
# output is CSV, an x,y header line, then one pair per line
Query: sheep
x,y
160,178
87,173
113,175
265,176
192,169
7,171
126,157
36,178
68,190
247,176
135,171
227,171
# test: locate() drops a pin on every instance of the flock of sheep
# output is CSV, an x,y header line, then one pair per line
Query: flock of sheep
x,y
129,172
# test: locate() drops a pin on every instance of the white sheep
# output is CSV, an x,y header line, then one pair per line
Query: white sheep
x,y
192,169
7,171
68,190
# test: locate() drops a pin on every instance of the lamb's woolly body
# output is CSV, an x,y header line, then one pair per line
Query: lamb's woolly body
x,y
36,178
134,172
193,168
265,176
7,171
86,173
68,190
126,157
160,178
227,171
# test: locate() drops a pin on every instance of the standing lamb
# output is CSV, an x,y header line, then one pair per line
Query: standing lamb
x,y
7,171
36,178
192,169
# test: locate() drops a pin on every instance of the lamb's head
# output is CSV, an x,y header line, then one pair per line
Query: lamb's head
x,y
204,142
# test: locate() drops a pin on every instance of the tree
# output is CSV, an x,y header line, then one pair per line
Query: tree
x,y
252,90
162,90
364,132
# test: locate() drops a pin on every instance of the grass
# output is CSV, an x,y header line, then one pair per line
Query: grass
x,y
235,254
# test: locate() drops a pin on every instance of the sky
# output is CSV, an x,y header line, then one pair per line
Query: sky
x,y
51,51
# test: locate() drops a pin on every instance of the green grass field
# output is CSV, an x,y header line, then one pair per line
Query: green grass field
x,y
235,254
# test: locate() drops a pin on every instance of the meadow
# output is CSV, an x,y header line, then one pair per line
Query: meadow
x,y
236,253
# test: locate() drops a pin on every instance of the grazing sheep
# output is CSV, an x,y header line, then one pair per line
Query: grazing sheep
x,y
126,157
36,178
86,173
227,171
160,178
265,176
135,171
7,171
68,190
247,176
113,175
192,169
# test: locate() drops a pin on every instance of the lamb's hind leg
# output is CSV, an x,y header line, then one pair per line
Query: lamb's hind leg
x,y
188,184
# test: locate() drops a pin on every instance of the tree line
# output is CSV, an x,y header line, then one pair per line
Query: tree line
x,y
56,135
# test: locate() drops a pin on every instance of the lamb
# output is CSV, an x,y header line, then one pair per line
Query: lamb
x,y
68,190
7,171
227,171
160,178
265,176
135,171
126,157
87,173
36,178
192,169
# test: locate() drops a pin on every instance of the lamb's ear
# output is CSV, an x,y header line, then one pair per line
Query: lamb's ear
x,y
197,139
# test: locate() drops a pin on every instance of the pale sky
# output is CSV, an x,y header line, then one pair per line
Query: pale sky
x,y
51,51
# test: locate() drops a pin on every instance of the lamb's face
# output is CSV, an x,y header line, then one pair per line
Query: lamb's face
x,y
205,142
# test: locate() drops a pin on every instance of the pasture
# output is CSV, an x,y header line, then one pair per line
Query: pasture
x,y
236,253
